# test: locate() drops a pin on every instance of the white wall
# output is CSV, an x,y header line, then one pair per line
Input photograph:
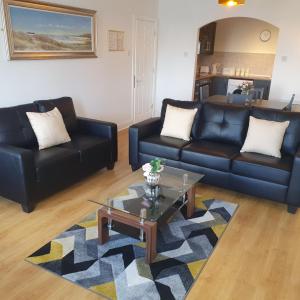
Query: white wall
x,y
179,24
101,88
242,35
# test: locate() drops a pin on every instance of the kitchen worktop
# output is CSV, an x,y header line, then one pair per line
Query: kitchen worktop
x,y
250,77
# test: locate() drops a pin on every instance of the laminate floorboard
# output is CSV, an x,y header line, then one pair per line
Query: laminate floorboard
x,y
258,257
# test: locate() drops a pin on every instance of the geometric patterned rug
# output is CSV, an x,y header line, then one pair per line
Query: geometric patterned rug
x,y
117,269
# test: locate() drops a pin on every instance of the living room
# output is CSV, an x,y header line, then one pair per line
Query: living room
x,y
103,195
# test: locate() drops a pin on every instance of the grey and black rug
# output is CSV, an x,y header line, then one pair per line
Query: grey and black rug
x,y
117,270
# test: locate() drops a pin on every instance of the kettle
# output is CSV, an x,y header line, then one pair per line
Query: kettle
x,y
215,68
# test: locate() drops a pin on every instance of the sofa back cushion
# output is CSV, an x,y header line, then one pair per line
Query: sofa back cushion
x,y
185,105
292,135
65,106
223,123
15,128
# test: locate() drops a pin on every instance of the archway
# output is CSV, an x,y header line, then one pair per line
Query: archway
x,y
235,48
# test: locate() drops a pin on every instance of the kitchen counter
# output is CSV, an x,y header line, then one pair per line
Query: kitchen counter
x,y
250,77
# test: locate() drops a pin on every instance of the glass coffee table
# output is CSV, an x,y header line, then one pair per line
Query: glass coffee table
x,y
144,207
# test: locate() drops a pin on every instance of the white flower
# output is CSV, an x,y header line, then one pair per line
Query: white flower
x,y
146,174
147,167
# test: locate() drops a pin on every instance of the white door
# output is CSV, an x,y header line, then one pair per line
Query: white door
x,y
144,68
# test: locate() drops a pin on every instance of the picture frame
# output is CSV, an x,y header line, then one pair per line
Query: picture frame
x,y
116,40
43,30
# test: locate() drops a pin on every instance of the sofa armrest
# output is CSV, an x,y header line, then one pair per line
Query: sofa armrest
x,y
17,175
101,129
293,197
136,133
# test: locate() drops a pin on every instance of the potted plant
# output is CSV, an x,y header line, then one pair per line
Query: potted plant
x,y
152,171
246,87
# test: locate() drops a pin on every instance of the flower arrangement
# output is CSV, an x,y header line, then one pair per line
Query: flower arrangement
x,y
246,86
153,167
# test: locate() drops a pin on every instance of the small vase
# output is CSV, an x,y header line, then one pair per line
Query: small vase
x,y
153,179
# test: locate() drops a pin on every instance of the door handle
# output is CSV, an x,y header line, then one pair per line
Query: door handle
x,y
136,81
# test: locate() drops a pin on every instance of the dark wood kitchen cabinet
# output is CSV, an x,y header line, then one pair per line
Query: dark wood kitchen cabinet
x,y
207,38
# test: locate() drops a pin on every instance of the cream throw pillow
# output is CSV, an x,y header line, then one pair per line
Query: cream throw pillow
x,y
265,137
49,128
178,122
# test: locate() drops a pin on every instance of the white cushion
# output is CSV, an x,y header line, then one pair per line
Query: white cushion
x,y
49,128
178,122
265,137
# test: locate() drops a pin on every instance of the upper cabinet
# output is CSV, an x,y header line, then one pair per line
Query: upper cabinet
x,y
207,38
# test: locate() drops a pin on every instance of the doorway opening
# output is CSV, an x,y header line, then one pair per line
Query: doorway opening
x,y
232,51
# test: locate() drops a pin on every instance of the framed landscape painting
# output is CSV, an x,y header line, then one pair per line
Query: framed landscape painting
x,y
40,30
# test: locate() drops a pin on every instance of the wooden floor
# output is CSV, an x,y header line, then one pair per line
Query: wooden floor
x,y
258,257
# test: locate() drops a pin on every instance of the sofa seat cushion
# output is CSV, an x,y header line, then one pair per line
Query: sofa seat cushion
x,y
162,146
55,163
210,155
263,167
90,148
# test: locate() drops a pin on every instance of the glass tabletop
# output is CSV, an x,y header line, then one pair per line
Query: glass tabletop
x,y
151,203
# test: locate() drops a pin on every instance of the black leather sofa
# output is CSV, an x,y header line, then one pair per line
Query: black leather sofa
x,y
28,175
218,134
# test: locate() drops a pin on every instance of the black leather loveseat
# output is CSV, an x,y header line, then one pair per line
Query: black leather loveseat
x,y
218,134
27,174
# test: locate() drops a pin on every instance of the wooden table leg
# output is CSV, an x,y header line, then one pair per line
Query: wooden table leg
x,y
151,239
150,229
103,233
191,202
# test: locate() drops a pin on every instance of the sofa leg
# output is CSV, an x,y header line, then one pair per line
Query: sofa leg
x,y
292,209
111,166
27,207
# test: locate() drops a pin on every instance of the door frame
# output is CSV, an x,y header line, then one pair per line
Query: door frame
x,y
133,80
